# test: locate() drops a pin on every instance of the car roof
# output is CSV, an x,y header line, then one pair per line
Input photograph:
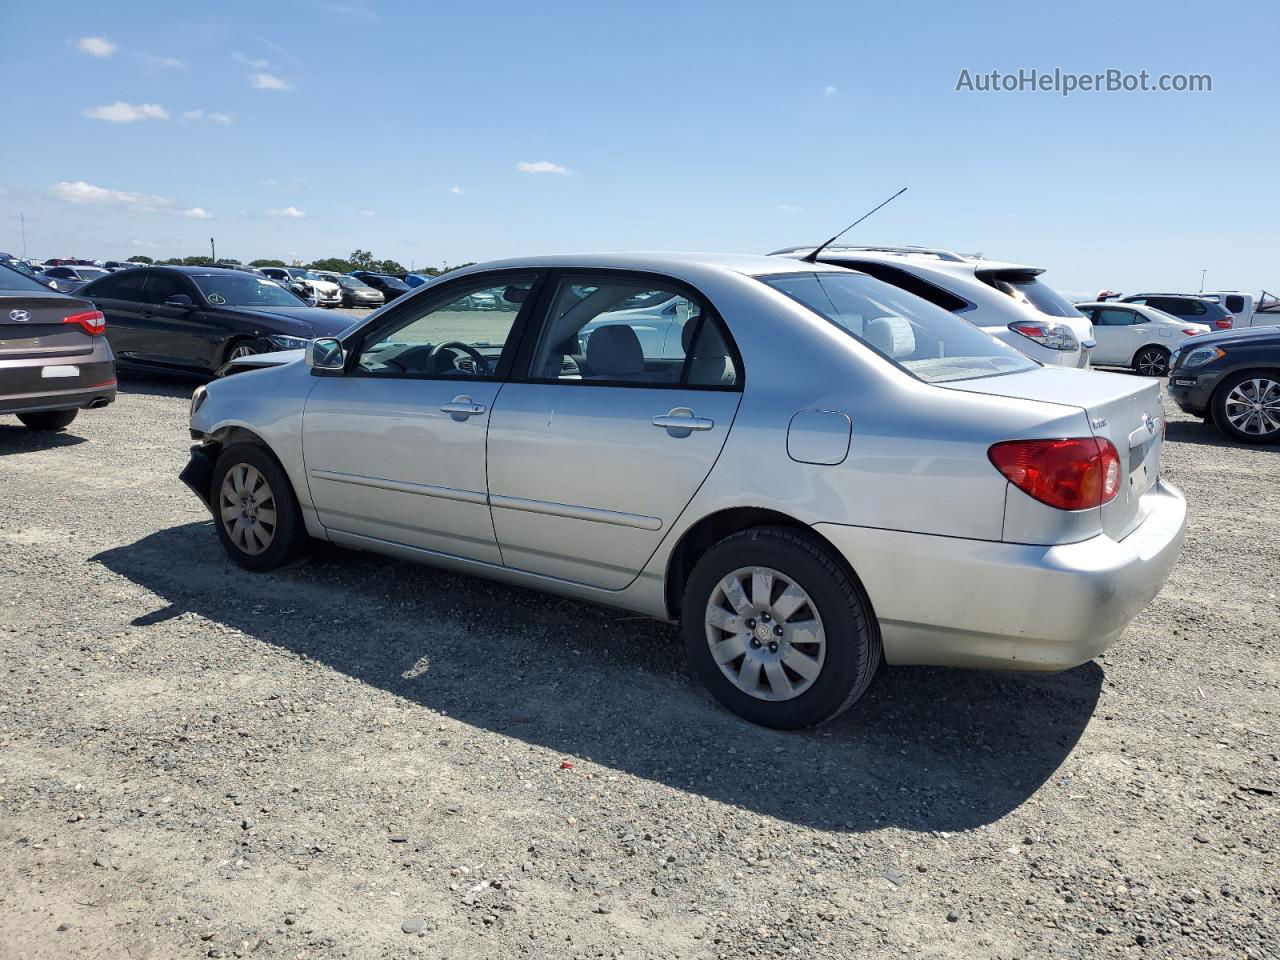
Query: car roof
x,y
1185,296
675,264
944,260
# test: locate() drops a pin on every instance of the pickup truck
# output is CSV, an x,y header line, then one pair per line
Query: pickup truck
x,y
1247,310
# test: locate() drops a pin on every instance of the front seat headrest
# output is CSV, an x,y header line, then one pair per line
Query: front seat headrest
x,y
614,351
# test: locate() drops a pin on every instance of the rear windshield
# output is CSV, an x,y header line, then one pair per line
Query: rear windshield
x,y
922,339
1028,289
11,279
91,273
237,289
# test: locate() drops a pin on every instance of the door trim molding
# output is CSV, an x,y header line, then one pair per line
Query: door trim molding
x,y
402,486
571,512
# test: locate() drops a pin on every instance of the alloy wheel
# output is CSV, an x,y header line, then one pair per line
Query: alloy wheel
x,y
1253,406
765,633
243,350
247,507
1153,363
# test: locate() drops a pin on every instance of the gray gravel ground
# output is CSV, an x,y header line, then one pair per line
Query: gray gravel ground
x,y
363,758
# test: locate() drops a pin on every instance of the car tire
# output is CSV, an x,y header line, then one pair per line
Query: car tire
x,y
47,420
260,531
1151,362
1233,412
744,628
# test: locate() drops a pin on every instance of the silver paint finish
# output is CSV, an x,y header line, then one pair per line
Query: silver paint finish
x,y
819,436
572,488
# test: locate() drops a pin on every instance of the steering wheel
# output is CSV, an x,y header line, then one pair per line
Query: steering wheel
x,y
482,365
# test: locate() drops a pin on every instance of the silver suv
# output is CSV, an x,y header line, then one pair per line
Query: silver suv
x,y
1009,301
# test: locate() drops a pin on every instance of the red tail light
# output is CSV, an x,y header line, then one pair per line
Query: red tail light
x,y
1223,323
91,321
1191,333
1071,474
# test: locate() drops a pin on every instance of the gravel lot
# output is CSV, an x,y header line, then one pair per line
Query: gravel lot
x,y
363,758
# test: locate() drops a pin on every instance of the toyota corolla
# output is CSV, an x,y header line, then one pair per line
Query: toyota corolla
x,y
812,470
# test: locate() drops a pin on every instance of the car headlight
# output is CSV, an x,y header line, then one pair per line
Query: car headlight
x,y
1055,336
1202,355
281,342
197,400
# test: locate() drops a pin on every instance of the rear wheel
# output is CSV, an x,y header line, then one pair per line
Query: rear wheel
x,y
254,509
1152,361
1246,407
777,629
47,419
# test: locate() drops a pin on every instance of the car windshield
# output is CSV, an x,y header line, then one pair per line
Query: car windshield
x,y
1028,288
11,279
920,338
352,282
91,273
21,267
236,289
394,283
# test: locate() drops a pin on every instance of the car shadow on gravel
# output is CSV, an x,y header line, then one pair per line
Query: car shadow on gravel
x,y
159,384
1207,435
15,439
926,749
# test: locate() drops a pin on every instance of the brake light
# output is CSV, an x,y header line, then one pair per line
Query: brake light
x,y
91,322
1223,323
1191,333
1055,336
1069,474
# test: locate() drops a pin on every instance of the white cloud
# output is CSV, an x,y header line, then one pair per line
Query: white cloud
x,y
169,63
196,115
542,166
96,46
829,91
268,81
81,192
455,189
121,112
293,213
788,208
368,213
257,64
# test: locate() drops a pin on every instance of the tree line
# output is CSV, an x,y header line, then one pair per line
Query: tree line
x,y
356,260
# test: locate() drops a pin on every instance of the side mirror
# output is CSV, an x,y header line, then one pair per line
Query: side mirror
x,y
325,354
179,300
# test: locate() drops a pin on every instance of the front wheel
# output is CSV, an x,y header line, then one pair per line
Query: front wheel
x,y
47,420
1246,407
777,629
242,349
255,510
1152,362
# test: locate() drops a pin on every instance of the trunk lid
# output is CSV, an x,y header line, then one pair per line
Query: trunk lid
x,y
1124,409
31,326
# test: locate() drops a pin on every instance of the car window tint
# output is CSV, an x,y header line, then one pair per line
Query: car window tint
x,y
909,282
161,286
462,336
617,330
1234,303
1114,317
122,286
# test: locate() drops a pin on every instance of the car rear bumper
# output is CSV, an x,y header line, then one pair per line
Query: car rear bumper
x,y
970,603
70,383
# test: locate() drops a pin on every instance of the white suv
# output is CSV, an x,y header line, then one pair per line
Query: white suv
x,y
1009,301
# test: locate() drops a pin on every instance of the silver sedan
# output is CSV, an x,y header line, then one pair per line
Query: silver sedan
x,y
811,470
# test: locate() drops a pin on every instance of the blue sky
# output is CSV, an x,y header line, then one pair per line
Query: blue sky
x,y
448,132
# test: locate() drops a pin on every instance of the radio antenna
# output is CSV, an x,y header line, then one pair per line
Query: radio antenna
x,y
813,257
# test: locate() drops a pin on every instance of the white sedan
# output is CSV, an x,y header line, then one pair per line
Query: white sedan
x,y
1137,336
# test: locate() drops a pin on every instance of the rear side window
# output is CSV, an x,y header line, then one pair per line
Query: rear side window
x,y
1114,317
926,341
1235,303
909,282
120,286
1029,289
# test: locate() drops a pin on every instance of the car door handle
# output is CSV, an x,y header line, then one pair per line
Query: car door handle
x,y
680,422
462,407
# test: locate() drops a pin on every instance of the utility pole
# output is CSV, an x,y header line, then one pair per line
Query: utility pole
x,y
1202,272
213,252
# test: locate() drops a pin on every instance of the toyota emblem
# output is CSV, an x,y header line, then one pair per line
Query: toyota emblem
x,y
19,316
